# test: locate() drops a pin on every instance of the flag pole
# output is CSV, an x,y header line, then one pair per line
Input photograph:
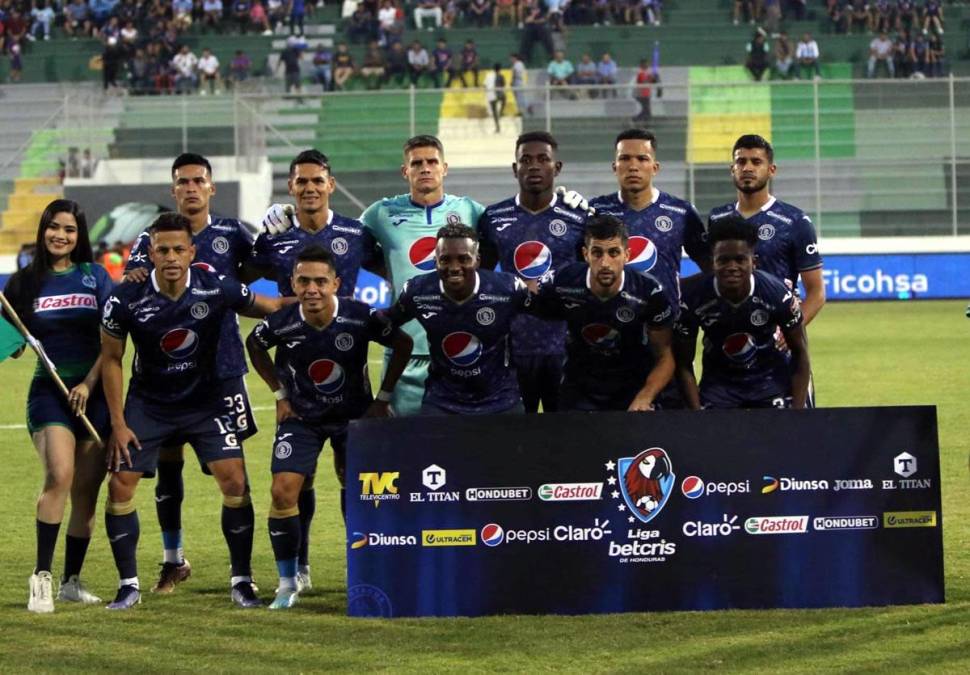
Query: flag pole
x,y
48,364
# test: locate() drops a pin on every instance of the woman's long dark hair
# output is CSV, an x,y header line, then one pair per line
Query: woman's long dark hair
x,y
24,285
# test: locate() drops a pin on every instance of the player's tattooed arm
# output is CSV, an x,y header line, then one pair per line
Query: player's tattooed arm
x,y
814,293
660,339
684,349
795,337
122,438
401,346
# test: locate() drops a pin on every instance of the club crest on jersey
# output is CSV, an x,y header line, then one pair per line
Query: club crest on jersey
x,y
421,253
740,347
558,227
601,336
643,254
646,482
759,317
339,246
220,244
532,259
461,348
179,343
344,342
625,314
199,310
199,265
453,218
485,316
89,281
766,232
327,376
663,223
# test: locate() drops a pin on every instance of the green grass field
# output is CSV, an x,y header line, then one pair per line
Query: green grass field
x,y
863,354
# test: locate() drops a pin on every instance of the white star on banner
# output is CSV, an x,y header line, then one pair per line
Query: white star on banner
x,y
610,465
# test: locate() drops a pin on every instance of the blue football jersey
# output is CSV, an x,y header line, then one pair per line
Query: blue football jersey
x,y
607,348
529,245
67,316
787,244
222,246
325,370
176,341
469,341
739,340
659,236
352,246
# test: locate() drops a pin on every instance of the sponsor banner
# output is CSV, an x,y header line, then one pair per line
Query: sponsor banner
x,y
579,513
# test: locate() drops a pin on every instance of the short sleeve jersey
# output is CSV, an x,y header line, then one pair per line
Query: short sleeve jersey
x,y
176,341
325,370
529,245
406,233
470,371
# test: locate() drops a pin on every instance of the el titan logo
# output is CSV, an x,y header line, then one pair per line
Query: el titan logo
x,y
377,487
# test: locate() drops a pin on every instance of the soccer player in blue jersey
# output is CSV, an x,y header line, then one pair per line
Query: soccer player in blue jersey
x,y
467,314
59,296
619,321
740,308
176,394
320,382
529,234
222,245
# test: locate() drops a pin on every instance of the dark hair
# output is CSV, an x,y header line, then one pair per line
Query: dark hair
x,y
732,228
423,141
605,227
754,142
171,222
24,285
315,253
457,231
311,156
190,158
536,137
636,135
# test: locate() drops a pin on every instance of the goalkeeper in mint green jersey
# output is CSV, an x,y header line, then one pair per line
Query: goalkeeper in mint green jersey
x,y
405,228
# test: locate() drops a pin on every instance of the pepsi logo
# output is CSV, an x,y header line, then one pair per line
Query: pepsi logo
x,y
204,266
600,335
327,376
493,535
421,253
462,349
179,343
643,254
692,487
740,347
532,259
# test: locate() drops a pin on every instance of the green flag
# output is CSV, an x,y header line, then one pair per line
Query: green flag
x,y
10,339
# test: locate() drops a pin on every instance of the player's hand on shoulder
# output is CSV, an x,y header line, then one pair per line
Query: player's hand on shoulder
x,y
574,200
135,275
284,411
278,218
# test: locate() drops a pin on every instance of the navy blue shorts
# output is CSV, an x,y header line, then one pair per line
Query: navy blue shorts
x,y
727,397
214,427
297,445
47,406
539,380
572,397
432,410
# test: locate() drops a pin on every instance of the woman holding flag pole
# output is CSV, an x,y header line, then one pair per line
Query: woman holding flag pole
x,y
56,304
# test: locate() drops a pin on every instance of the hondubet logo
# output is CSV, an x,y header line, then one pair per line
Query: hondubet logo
x,y
645,483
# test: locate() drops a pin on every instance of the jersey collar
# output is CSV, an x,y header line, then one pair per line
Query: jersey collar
x,y
768,204
654,196
555,198
718,292
478,281
188,279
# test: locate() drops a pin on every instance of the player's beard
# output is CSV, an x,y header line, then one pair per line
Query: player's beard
x,y
750,189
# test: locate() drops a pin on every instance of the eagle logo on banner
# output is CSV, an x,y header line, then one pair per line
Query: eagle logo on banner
x,y
646,482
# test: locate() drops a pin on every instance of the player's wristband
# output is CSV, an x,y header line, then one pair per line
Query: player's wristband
x,y
281,393
384,396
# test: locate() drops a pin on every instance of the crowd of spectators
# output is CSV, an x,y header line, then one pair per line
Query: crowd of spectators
x,y
789,59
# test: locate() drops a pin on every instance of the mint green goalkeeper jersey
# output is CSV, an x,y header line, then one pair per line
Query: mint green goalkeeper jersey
x,y
406,233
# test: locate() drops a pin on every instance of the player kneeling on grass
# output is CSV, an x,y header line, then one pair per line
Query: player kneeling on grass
x,y
618,354
175,395
740,308
320,382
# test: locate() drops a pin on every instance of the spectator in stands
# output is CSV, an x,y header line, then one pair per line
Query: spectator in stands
x,y
604,12
239,67
937,55
208,72
139,81
919,56
129,37
495,93
517,84
16,29
112,57
807,54
450,13
343,65
907,16
645,77
746,10
425,9
323,67
297,16
508,9
198,13
101,10
757,61
361,27
796,10
397,65
784,55
858,15
212,15
290,59
374,67
443,61
480,12
586,73
112,28
901,51
276,10
535,29
181,13
647,11
880,51
185,64
933,17
127,10
387,22
771,15
606,71
258,19
469,63
42,17
16,61
836,10
419,61
77,19
882,16
160,69
561,72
